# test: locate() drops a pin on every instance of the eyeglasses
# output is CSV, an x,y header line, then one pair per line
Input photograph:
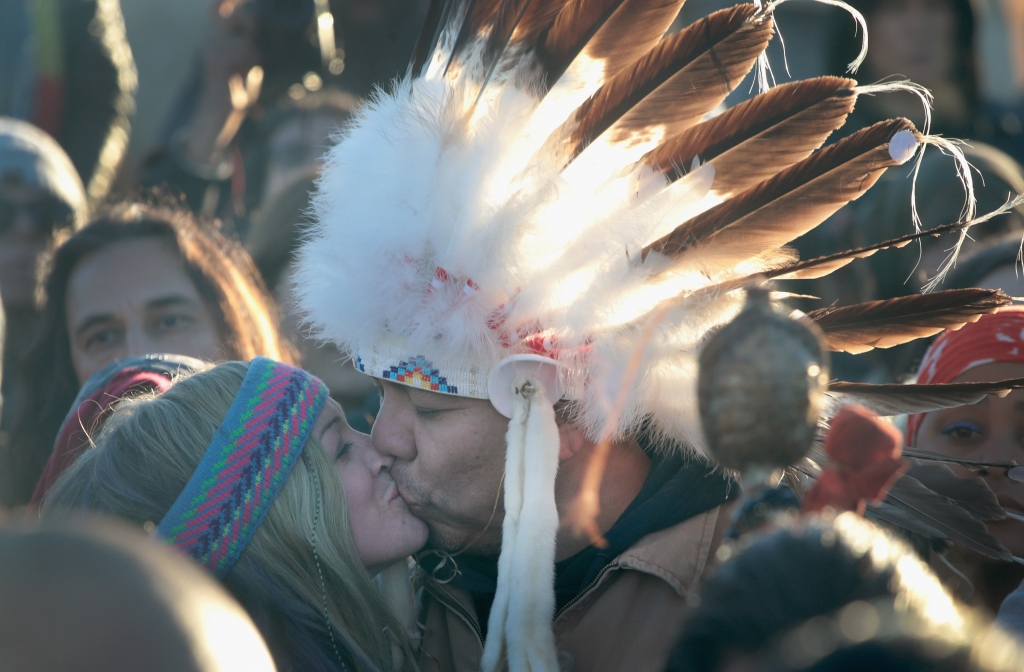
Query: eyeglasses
x,y
45,214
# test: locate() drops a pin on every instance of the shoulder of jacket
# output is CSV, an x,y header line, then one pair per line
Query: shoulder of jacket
x,y
679,555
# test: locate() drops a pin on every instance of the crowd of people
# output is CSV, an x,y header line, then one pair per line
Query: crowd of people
x,y
340,375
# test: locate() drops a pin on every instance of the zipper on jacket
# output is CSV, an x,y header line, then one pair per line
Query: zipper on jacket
x,y
579,595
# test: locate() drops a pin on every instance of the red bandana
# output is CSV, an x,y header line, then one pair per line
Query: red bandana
x,y
998,337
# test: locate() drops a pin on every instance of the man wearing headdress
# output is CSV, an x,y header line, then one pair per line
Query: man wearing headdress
x,y
527,242
661,517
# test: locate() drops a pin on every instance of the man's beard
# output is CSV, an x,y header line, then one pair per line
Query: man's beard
x,y
444,537
447,542
454,543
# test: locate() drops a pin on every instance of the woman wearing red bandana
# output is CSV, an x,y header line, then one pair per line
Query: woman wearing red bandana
x,y
992,430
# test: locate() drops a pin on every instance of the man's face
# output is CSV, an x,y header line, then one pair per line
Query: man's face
x,y
449,459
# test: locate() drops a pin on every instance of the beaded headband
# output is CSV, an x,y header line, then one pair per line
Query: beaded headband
x,y
247,462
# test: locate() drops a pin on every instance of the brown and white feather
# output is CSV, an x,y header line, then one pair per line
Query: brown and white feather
x,y
614,32
788,205
759,138
671,87
895,399
883,324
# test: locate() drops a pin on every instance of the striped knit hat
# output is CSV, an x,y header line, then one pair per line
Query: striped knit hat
x,y
245,465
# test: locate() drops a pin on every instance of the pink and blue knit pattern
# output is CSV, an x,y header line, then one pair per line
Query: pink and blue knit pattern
x,y
245,465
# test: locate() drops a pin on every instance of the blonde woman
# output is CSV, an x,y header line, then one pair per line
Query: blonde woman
x,y
252,470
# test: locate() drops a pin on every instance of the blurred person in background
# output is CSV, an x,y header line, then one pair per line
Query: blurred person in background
x,y
66,67
885,213
272,242
834,593
40,194
298,132
931,43
94,595
1000,40
995,264
325,513
290,137
138,280
992,430
3,333
269,52
123,378
991,263
378,37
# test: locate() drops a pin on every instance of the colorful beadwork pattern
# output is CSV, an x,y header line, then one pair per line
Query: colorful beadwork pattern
x,y
417,373
245,465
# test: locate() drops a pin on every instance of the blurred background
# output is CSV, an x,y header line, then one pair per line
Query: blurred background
x,y
219,112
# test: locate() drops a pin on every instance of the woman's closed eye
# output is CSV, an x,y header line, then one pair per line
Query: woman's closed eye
x,y
963,431
344,448
427,413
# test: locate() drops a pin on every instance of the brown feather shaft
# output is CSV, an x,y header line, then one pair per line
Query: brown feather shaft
x,y
789,204
884,324
481,15
499,35
674,84
506,21
757,139
479,20
895,399
821,266
616,32
427,39
538,18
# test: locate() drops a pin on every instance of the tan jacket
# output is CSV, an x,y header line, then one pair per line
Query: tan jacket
x,y
627,619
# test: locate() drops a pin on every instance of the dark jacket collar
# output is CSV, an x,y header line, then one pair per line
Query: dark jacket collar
x,y
677,488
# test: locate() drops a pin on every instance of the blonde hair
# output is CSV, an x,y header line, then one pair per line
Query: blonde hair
x,y
144,456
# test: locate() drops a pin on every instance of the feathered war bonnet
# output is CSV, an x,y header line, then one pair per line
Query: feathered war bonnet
x,y
540,211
